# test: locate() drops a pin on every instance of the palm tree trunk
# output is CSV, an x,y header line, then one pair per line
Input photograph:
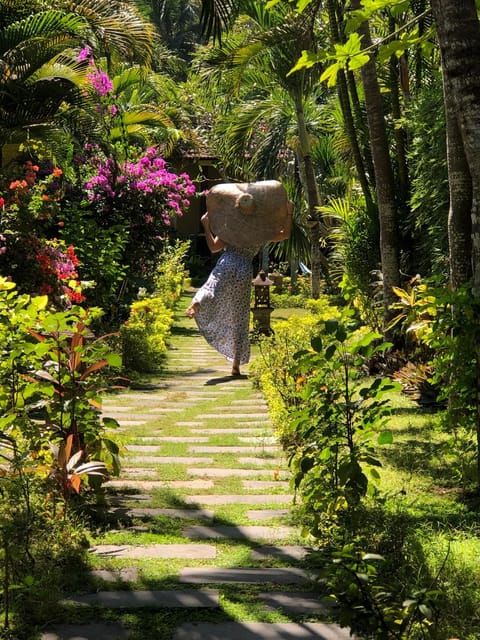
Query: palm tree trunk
x,y
345,105
319,261
460,187
458,31
385,185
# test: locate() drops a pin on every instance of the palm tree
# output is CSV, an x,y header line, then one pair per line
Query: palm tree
x,y
259,57
39,69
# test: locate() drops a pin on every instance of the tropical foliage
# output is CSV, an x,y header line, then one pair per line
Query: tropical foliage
x,y
367,111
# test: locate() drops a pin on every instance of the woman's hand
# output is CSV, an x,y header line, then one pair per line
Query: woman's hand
x,y
215,244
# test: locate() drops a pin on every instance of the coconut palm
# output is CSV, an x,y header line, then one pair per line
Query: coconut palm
x,y
258,57
39,69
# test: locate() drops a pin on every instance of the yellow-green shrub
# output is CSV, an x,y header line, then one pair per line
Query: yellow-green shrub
x,y
144,335
271,370
171,272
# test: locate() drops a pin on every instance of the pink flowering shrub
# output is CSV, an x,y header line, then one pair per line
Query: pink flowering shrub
x,y
130,204
105,221
30,253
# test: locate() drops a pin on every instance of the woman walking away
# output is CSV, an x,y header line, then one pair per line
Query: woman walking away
x,y
221,307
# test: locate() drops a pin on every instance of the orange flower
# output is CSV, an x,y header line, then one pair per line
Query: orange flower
x,y
45,197
57,172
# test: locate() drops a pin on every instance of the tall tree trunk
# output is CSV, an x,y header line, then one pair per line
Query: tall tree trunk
x,y
385,184
458,30
319,262
459,37
460,187
345,105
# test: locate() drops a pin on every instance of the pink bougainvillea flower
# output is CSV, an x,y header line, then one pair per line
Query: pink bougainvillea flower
x,y
100,82
84,54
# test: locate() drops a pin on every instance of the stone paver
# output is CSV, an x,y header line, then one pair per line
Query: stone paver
x,y
260,631
161,484
134,415
286,552
297,602
238,499
186,439
153,512
228,449
232,416
201,575
198,551
92,631
205,598
171,459
201,532
225,431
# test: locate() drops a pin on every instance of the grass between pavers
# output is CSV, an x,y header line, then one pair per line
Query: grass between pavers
x,y
238,602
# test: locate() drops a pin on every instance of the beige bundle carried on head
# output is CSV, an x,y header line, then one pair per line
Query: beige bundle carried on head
x,y
247,214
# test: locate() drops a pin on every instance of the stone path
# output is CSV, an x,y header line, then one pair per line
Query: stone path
x,y
187,557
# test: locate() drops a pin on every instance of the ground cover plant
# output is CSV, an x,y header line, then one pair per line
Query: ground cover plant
x,y
401,544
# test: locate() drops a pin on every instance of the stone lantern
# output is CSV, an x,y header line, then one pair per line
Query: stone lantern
x,y
261,305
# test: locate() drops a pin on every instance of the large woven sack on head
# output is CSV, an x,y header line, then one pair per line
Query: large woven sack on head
x,y
247,214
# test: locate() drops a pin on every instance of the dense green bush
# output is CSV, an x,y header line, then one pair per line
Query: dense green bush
x,y
53,442
272,370
144,335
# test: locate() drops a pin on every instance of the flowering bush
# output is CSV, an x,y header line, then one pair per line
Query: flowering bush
x,y
130,206
109,221
30,254
59,267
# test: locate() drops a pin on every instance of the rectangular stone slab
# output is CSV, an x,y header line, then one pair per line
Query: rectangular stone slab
x,y
153,512
198,551
296,602
171,459
205,598
245,532
161,484
238,499
86,632
261,631
201,575
286,552
228,449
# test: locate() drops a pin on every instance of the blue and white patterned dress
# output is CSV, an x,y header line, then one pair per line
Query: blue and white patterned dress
x,y
224,314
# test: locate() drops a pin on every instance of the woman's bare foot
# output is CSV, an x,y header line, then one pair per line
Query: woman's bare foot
x,y
192,309
236,369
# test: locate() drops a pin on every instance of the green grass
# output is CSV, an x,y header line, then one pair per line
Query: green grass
x,y
425,523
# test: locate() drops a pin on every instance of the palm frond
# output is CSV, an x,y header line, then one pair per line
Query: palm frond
x,y
217,16
116,26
